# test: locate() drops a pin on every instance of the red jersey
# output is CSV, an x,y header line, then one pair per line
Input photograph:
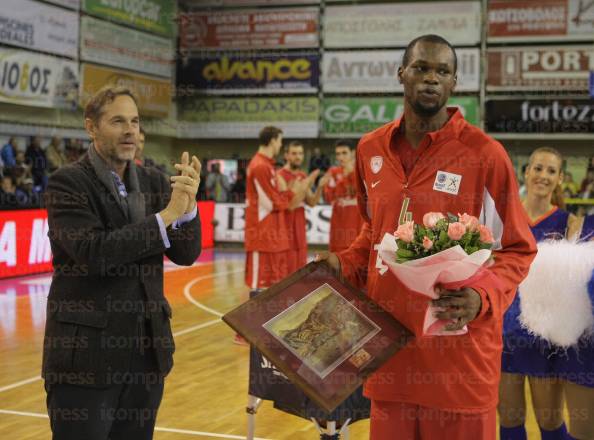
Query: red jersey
x,y
459,170
296,218
265,223
345,222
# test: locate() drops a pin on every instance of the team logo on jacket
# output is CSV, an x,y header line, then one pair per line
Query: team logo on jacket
x,y
447,182
376,163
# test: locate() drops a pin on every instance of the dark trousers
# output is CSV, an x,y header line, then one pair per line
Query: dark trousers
x,y
124,411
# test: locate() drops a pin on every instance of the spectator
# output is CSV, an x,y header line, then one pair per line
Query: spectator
x,y
33,194
12,197
217,184
35,157
569,187
238,188
202,194
587,180
9,152
318,161
21,170
74,150
55,154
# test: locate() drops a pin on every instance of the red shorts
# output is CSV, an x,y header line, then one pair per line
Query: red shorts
x,y
263,269
296,259
404,421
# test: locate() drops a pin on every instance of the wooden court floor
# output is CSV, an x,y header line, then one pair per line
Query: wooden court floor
x,y
206,393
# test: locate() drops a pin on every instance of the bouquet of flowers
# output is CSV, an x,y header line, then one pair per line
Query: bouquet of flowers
x,y
447,251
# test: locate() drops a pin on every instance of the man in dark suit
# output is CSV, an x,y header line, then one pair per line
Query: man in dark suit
x,y
108,342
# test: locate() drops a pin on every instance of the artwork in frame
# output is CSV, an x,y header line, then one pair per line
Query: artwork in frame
x,y
325,335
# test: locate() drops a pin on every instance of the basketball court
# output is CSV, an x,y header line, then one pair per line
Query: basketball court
x,y
206,393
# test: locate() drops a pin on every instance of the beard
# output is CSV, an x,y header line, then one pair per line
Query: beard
x,y
109,151
294,166
426,111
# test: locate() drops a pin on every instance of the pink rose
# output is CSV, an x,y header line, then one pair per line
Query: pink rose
x,y
456,230
431,218
469,221
405,232
427,243
486,235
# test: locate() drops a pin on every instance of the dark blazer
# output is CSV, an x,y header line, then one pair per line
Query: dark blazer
x,y
108,275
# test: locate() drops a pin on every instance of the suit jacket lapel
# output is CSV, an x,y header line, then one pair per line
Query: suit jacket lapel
x,y
104,174
136,205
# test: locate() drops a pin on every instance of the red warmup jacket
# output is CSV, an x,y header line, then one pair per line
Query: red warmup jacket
x,y
462,171
295,219
346,221
265,224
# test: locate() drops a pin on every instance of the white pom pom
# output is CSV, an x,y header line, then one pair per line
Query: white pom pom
x,y
554,300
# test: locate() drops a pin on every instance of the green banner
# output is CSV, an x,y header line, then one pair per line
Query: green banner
x,y
250,110
155,16
357,116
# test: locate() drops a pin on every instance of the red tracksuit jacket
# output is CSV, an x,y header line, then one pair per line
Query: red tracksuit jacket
x,y
463,170
345,223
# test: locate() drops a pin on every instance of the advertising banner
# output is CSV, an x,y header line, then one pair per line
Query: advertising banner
x,y
29,78
245,117
154,94
230,220
540,116
72,4
254,73
155,16
376,71
38,26
236,3
25,247
24,244
544,20
540,68
396,24
106,43
353,117
250,29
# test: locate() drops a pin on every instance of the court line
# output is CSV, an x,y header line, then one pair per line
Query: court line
x,y
157,428
196,327
18,384
178,333
198,304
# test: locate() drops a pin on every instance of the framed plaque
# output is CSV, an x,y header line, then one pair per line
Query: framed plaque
x,y
322,333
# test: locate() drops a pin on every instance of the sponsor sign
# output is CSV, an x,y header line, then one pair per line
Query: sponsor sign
x,y
540,116
245,117
38,26
250,29
592,84
155,16
236,3
153,94
544,20
32,79
353,117
24,244
259,73
396,24
540,68
376,71
72,4
106,43
230,219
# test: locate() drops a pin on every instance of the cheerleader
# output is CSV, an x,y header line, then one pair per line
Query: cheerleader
x,y
525,355
577,369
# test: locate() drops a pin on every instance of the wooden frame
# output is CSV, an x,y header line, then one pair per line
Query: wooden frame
x,y
326,355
